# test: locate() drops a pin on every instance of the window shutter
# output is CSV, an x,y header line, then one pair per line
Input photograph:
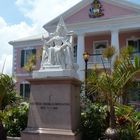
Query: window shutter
x,y
34,51
139,44
27,90
22,58
21,89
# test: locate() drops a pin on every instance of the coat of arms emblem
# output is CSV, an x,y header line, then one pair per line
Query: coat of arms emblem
x,y
96,9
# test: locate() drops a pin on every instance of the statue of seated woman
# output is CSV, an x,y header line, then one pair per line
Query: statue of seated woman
x,y
58,51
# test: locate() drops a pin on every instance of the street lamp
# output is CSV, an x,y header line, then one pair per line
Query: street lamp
x,y
86,58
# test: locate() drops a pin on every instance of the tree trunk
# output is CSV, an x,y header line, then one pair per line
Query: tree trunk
x,y
112,115
2,132
111,132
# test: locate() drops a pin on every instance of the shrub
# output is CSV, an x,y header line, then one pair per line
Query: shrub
x,y
128,122
15,119
93,121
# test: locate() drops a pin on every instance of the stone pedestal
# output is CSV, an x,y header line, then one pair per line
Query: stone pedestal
x,y
54,72
54,109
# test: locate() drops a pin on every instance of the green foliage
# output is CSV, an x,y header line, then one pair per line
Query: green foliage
x,y
10,100
7,98
126,52
112,86
15,119
30,66
123,110
109,52
129,132
8,94
128,123
93,120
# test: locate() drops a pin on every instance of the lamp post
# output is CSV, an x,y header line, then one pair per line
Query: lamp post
x,y
86,58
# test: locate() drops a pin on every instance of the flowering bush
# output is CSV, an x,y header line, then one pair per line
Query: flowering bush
x,y
15,119
93,120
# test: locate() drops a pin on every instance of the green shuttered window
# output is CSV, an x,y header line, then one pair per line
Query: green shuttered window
x,y
25,55
25,90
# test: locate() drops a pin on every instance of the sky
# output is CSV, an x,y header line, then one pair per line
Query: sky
x,y
23,18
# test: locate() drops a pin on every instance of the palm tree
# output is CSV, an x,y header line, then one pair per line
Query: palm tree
x,y
125,55
7,97
110,85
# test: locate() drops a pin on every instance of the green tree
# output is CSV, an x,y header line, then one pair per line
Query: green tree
x,y
7,97
110,85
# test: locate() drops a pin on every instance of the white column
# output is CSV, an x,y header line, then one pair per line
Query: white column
x,y
115,43
80,51
115,39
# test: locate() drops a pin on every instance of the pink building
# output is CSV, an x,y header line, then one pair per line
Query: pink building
x,y
96,24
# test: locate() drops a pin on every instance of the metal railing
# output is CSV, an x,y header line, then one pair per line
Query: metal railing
x,y
135,54
97,59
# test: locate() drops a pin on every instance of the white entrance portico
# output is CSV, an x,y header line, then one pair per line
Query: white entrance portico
x,y
107,25
117,38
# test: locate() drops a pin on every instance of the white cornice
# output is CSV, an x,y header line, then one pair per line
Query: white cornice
x,y
23,74
26,43
125,3
119,23
30,40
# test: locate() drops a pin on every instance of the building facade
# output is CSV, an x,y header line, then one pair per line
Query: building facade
x,y
96,25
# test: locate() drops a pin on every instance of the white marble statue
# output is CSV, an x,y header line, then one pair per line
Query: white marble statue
x,y
58,50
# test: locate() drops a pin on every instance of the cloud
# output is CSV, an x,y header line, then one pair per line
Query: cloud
x,y
41,11
2,23
9,33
